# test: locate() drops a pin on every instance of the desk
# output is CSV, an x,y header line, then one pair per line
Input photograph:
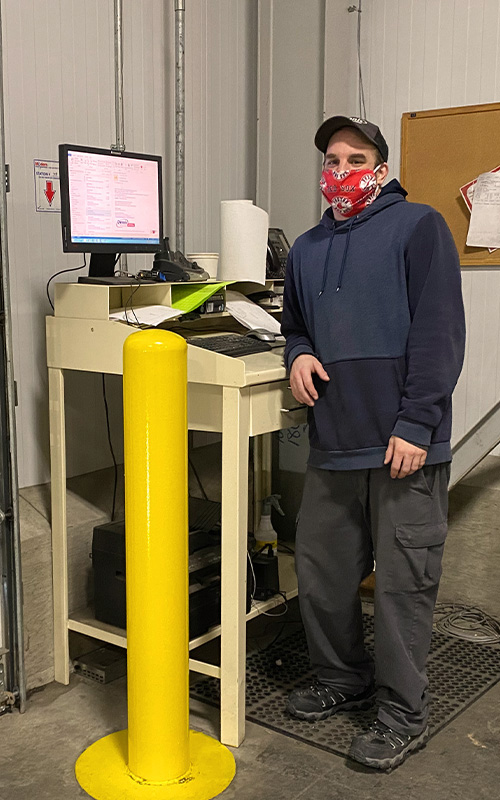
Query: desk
x,y
238,397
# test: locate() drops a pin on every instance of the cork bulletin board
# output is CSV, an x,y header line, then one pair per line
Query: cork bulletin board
x,y
443,149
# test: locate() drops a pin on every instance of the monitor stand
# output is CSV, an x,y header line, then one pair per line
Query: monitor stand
x,y
102,265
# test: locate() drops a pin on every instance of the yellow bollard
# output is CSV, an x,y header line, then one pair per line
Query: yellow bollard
x,y
158,757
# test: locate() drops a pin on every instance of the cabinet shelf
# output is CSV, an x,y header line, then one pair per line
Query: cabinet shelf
x,y
84,621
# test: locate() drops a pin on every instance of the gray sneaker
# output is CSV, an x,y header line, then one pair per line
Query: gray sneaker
x,y
320,701
383,748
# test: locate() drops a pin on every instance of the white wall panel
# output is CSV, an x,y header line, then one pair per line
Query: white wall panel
x,y
59,87
291,72
221,124
422,54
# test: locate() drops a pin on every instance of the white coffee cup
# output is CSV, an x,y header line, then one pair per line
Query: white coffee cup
x,y
207,261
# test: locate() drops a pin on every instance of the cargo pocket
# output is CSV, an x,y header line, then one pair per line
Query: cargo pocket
x,y
417,555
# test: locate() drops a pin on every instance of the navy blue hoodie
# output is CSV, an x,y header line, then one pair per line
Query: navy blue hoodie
x,y
377,299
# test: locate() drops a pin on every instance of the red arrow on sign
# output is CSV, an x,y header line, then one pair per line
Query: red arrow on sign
x,y
49,192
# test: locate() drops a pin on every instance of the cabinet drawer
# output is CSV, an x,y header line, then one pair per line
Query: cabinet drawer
x,y
273,407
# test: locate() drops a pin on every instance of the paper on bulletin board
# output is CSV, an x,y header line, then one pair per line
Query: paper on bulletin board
x,y
187,298
484,226
467,192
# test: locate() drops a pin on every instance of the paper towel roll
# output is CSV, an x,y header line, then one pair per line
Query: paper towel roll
x,y
243,249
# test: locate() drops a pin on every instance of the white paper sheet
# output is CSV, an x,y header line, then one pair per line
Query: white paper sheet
x,y
467,192
146,315
484,226
250,314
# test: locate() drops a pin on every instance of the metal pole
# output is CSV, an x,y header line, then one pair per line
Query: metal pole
x,y
179,125
158,757
120,130
157,555
119,117
17,633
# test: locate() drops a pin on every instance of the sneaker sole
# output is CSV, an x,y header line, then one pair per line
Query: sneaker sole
x,y
315,716
387,764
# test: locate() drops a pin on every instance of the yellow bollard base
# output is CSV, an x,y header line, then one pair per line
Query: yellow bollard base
x,y
103,773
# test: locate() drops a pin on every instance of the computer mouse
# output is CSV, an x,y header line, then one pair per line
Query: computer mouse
x,y
262,335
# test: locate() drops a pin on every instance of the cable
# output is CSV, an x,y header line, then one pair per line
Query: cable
x,y
284,548
139,283
61,271
466,622
197,478
361,91
254,579
110,446
282,613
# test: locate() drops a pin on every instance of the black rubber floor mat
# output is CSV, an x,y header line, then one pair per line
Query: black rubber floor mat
x,y
459,673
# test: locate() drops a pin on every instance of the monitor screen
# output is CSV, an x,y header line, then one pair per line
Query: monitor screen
x,y
111,201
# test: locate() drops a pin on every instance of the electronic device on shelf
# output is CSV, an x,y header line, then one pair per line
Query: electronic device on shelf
x,y
277,253
169,266
109,569
111,203
230,344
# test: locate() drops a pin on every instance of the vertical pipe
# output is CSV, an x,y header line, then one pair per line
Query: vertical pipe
x,y
179,124
119,124
119,116
155,371
17,633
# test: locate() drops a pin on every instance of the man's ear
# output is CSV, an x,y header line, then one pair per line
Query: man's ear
x,y
382,173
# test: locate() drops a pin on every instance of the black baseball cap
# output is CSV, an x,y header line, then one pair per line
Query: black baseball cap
x,y
367,129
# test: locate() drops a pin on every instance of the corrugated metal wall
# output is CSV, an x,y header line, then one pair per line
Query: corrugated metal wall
x,y
221,124
421,54
59,87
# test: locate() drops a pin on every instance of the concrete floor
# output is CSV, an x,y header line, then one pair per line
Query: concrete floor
x,y
39,748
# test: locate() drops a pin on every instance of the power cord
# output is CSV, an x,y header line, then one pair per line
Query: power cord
x,y
466,622
361,90
282,613
132,311
61,272
284,548
254,587
115,465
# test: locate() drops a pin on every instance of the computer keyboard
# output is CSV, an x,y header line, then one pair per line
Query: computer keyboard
x,y
230,344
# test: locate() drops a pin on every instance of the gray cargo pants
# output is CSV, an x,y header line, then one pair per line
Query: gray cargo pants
x,y
346,519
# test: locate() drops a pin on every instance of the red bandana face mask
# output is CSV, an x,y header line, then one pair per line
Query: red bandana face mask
x,y
349,192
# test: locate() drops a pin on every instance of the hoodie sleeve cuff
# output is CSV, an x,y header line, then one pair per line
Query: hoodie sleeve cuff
x,y
298,350
413,432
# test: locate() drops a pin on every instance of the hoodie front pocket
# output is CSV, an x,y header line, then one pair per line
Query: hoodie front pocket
x,y
358,407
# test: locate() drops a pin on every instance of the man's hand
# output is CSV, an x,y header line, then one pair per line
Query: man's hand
x,y
301,381
405,458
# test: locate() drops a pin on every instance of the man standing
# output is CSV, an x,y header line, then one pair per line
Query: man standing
x,y
374,325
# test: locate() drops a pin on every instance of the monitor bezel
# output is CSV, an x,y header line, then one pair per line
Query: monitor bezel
x,y
84,247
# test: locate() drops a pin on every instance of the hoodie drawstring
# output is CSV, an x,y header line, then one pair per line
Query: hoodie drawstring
x,y
325,268
344,259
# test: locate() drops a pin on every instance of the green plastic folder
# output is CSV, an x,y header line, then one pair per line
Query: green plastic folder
x,y
187,298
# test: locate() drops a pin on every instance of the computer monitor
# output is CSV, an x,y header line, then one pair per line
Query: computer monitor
x,y
111,202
